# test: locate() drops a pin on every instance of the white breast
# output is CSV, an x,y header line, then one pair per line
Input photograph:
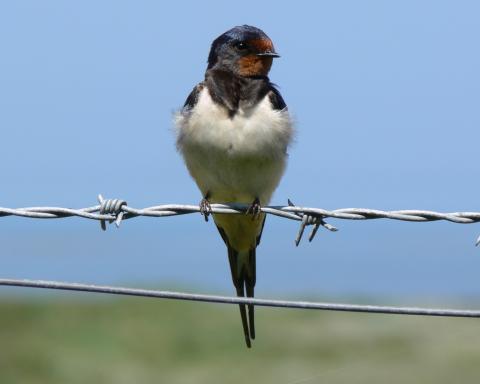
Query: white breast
x,y
260,129
235,159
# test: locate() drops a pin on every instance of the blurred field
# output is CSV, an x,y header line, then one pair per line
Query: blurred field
x,y
151,341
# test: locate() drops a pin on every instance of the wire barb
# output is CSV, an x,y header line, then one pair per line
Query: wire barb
x,y
111,207
310,219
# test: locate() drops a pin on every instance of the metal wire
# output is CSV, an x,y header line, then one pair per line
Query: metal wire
x,y
282,211
116,210
58,285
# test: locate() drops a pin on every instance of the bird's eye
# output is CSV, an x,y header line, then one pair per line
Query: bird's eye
x,y
241,45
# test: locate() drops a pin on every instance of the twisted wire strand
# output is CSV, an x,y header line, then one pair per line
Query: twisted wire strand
x,y
100,212
59,285
116,210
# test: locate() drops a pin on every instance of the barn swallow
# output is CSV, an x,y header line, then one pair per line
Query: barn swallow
x,y
233,133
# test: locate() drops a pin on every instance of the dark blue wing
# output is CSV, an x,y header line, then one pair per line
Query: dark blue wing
x,y
192,98
276,98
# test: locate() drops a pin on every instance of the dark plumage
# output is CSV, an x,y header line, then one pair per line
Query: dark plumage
x,y
226,82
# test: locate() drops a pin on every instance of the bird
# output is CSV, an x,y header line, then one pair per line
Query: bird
x,y
233,133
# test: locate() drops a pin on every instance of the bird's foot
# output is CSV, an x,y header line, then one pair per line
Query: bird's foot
x,y
310,219
255,209
205,208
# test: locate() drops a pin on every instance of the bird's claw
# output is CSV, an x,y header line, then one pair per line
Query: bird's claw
x,y
205,208
310,219
254,209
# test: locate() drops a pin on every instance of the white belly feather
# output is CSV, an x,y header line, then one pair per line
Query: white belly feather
x,y
235,160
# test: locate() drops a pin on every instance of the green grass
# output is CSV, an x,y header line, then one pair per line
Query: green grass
x,y
157,341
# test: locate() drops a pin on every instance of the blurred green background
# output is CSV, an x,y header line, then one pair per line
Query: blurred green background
x,y
57,340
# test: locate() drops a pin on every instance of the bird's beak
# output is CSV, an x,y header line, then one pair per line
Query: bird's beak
x,y
268,54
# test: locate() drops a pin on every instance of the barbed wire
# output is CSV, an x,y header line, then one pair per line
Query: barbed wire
x,y
60,285
117,210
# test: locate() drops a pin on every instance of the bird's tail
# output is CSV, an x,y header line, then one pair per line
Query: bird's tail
x,y
243,268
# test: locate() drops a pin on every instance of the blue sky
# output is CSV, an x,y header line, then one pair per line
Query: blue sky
x,y
385,97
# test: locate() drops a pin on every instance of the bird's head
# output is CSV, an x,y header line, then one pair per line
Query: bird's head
x,y
246,51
